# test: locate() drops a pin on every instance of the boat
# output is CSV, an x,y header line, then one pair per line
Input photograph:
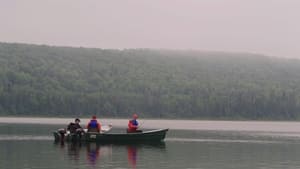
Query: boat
x,y
157,135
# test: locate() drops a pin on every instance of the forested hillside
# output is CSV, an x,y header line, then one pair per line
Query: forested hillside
x,y
63,81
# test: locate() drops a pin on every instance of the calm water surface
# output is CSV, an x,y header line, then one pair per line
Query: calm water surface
x,y
31,146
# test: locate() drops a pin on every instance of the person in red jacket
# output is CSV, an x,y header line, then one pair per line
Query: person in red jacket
x,y
133,125
94,125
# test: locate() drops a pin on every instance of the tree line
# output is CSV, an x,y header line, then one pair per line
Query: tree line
x,y
40,80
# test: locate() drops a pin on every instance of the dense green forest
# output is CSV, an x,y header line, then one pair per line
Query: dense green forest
x,y
39,80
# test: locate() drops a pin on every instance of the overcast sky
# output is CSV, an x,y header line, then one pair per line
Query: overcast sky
x,y
270,27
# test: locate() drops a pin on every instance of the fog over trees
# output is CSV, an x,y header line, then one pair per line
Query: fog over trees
x,y
42,80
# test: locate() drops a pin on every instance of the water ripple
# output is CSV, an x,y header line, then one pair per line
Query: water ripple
x,y
23,137
220,140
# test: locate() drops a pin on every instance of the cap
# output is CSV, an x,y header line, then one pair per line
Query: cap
x,y
135,116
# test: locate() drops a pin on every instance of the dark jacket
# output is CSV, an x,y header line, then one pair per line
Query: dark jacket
x,y
72,127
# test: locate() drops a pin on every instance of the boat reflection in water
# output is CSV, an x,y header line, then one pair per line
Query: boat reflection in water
x,y
97,155
132,155
93,153
74,151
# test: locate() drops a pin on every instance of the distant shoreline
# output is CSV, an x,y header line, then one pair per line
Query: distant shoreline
x,y
261,126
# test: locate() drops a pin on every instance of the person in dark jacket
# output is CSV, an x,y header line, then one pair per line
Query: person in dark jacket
x,y
75,127
94,125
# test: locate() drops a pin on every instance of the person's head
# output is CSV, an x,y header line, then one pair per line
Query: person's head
x,y
134,116
94,117
77,120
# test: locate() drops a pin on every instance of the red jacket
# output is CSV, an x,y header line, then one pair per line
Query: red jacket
x,y
132,125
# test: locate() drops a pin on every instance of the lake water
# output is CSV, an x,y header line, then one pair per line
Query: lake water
x,y
236,145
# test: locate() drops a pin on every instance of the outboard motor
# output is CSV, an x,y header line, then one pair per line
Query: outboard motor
x,y
62,133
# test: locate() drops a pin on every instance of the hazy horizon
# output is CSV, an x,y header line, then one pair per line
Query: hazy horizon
x,y
262,27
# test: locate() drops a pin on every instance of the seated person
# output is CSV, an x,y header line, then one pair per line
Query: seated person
x,y
133,125
93,125
75,128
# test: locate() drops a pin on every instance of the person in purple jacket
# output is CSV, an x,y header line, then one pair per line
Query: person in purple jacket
x,y
94,125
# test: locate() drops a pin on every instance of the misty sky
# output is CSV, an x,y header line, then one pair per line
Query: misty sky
x,y
270,27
